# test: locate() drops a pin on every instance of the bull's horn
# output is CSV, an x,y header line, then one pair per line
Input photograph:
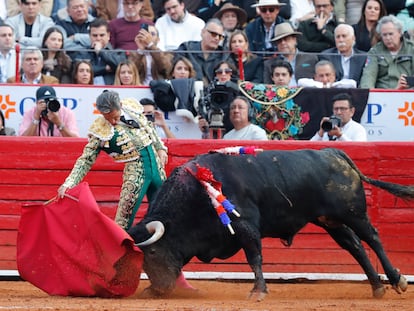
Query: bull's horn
x,y
155,227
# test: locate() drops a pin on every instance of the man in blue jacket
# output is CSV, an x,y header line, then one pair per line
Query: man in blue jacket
x,y
261,30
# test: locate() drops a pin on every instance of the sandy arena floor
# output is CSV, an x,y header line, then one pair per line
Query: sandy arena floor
x,y
218,296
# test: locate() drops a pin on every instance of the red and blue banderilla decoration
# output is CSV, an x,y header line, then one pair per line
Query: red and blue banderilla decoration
x,y
221,204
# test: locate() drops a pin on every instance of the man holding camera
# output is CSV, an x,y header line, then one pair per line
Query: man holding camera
x,y
156,118
340,125
48,117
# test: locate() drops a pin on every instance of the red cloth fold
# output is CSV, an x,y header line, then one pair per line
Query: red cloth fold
x,y
71,248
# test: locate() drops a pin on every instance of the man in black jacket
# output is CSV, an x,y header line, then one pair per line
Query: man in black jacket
x,y
318,32
103,57
347,60
204,54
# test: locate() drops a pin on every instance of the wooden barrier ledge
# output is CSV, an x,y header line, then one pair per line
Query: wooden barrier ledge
x,y
32,169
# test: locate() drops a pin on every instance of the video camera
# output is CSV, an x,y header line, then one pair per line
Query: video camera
x,y
52,104
216,102
331,123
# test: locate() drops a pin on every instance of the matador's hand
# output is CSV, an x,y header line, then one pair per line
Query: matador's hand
x,y
62,191
163,156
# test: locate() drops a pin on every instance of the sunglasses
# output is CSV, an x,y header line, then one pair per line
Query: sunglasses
x,y
270,10
223,71
215,34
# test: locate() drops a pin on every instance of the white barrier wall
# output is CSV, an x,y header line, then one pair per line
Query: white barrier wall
x,y
15,100
389,115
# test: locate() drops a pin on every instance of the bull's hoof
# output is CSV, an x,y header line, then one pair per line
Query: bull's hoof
x,y
151,292
257,296
401,286
379,292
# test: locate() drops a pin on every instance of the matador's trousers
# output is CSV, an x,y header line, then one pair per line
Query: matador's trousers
x,y
143,176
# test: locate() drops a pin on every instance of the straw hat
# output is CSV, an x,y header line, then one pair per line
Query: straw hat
x,y
241,14
283,30
268,3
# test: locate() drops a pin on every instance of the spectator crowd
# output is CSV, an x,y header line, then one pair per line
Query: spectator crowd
x,y
308,43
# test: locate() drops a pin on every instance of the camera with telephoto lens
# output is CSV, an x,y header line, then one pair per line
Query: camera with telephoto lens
x,y
150,117
52,104
331,123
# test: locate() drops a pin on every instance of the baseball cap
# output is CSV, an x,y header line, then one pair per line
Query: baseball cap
x,y
45,92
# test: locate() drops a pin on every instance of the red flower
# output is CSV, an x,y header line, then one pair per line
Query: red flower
x,y
305,117
270,94
248,86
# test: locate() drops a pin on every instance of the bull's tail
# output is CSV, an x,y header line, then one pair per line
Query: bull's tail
x,y
401,191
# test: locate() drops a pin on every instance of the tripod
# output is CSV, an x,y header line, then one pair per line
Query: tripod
x,y
216,132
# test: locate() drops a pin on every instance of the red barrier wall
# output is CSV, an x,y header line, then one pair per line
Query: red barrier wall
x,y
32,168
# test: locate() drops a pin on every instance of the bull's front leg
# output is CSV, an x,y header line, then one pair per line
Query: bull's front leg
x,y
259,290
252,246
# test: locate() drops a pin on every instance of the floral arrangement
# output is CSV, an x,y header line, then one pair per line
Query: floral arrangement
x,y
277,112
213,188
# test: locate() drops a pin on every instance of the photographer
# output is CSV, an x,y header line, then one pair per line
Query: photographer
x,y
340,125
156,118
214,107
48,117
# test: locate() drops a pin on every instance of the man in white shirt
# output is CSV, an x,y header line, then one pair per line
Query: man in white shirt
x,y
177,25
7,53
240,115
325,77
341,128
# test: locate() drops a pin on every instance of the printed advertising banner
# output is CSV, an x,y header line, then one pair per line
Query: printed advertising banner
x,y
388,115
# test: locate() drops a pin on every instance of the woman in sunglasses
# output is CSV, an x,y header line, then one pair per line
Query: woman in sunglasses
x,y
225,71
214,120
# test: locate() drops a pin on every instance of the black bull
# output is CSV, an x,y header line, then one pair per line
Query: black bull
x,y
276,193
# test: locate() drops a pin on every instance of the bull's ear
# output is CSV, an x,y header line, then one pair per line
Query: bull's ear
x,y
139,233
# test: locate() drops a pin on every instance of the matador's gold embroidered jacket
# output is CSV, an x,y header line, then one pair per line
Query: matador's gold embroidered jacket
x,y
121,142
